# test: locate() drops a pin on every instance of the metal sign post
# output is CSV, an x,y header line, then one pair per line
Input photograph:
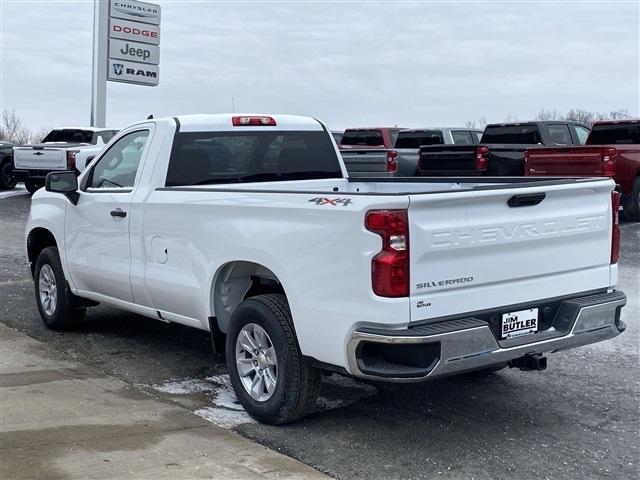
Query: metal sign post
x,y
126,39
99,74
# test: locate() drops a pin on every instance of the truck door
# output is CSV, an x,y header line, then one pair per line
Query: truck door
x,y
97,229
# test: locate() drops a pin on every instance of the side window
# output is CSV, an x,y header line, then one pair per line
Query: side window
x,y
559,134
119,165
106,136
476,136
461,137
582,133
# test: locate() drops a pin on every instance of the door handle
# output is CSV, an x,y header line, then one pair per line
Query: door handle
x,y
118,212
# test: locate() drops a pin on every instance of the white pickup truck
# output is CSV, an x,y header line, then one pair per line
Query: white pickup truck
x,y
62,149
246,226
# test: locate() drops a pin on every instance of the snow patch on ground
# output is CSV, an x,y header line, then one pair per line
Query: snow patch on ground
x,y
224,417
226,411
185,387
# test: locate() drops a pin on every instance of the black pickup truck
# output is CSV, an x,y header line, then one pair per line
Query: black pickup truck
x,y
501,149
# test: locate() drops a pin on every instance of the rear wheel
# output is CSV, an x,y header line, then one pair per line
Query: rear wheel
x,y
631,207
31,186
272,380
7,180
58,307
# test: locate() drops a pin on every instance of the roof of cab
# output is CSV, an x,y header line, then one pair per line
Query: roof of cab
x,y
620,120
223,122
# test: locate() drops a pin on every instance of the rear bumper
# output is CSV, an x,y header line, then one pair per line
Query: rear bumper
x,y
466,344
33,175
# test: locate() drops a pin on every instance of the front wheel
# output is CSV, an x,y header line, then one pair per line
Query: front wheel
x,y
272,380
7,180
57,305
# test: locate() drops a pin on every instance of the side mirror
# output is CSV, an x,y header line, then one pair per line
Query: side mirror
x,y
65,183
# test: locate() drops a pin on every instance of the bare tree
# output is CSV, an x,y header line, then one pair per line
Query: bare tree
x,y
548,115
480,123
13,130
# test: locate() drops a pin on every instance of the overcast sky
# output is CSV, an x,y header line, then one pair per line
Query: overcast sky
x,y
348,63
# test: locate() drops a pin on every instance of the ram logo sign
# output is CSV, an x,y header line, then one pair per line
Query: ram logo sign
x,y
132,72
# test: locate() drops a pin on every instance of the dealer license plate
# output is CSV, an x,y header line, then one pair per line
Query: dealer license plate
x,y
522,322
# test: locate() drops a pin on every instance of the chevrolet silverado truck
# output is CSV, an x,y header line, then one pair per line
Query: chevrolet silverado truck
x,y
612,150
62,149
248,227
500,151
401,160
7,180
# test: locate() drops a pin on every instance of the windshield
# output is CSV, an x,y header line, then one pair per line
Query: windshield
x,y
616,134
69,136
202,158
522,134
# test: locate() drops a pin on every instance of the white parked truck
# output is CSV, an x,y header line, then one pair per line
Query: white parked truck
x,y
61,150
247,226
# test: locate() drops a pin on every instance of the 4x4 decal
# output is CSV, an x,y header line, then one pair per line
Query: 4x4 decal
x,y
331,201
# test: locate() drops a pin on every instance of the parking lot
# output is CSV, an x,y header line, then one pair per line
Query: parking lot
x,y
578,419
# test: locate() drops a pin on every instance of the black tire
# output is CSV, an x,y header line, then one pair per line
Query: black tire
x,y
7,180
66,314
31,186
631,207
298,384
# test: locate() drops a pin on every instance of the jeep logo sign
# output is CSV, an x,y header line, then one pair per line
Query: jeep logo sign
x,y
138,32
132,72
137,52
135,11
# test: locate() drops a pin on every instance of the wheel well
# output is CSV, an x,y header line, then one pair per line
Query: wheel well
x,y
237,281
38,240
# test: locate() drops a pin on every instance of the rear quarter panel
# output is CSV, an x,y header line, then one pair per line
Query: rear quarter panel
x,y
320,252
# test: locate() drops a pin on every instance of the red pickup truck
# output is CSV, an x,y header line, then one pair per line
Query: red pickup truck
x,y
612,150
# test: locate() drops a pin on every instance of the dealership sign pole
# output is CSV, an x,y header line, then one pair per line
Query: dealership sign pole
x,y
126,49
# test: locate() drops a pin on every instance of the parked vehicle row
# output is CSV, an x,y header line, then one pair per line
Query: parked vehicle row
x,y
612,150
395,152
248,227
62,149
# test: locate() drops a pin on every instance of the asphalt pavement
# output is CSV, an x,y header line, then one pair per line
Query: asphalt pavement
x,y
577,420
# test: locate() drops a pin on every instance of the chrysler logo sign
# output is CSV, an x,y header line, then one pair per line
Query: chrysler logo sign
x,y
134,10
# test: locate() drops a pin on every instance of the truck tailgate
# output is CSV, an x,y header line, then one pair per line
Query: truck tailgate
x,y
447,159
365,162
40,158
471,251
581,160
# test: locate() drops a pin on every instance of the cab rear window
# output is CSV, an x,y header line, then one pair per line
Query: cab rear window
x,y
69,136
364,138
615,134
512,134
415,139
204,158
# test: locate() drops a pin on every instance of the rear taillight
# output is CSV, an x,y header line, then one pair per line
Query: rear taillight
x,y
608,164
390,267
253,121
392,164
481,158
615,227
527,167
71,159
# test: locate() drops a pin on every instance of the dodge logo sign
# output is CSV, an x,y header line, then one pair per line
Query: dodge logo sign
x,y
117,68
